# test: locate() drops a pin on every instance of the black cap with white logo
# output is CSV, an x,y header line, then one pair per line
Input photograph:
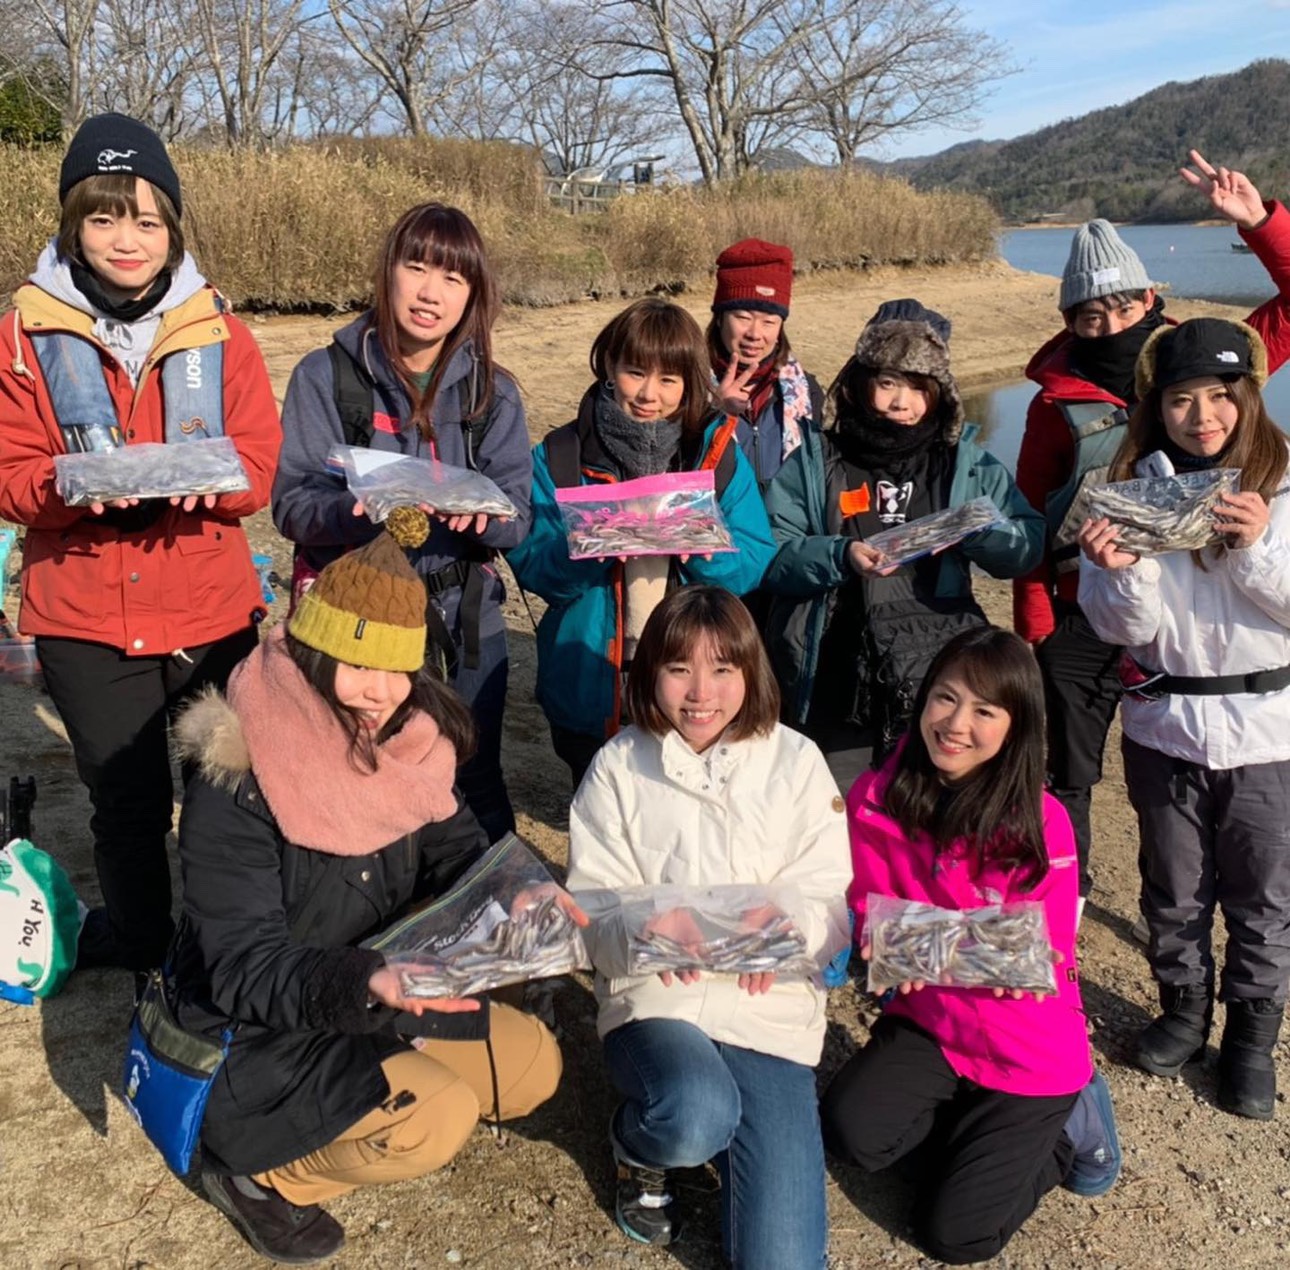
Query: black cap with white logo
x,y
116,143
1202,347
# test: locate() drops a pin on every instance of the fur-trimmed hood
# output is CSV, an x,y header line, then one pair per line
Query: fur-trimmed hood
x,y
209,735
909,348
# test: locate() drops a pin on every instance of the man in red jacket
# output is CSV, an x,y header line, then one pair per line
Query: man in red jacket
x,y
1074,426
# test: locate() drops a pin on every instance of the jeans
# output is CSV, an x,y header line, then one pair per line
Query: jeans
x,y
690,1099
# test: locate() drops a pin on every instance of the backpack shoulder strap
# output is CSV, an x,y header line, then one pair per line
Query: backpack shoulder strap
x,y
722,456
564,456
474,429
352,393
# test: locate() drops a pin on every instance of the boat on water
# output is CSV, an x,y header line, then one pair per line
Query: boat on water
x,y
1244,248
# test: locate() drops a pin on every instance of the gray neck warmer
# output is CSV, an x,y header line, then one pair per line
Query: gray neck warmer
x,y
639,448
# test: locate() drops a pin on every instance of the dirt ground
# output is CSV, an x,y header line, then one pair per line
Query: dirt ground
x,y
81,1187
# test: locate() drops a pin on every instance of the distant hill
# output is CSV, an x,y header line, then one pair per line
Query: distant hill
x,y
1121,162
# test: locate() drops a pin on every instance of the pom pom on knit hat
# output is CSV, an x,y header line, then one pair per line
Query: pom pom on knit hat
x,y
754,275
112,143
369,607
1100,263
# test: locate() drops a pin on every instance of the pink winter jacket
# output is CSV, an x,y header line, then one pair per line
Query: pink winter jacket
x,y
1038,1048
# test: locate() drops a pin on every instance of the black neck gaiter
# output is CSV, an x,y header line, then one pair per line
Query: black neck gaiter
x,y
1108,360
87,283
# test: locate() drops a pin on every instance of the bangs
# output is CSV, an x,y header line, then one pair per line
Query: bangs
x,y
441,237
660,341
111,192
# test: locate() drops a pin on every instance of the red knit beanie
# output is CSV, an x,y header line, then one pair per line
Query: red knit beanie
x,y
754,275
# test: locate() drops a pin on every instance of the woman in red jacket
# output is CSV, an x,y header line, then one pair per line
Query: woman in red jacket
x,y
117,339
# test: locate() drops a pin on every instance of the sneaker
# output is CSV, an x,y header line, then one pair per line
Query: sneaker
x,y
1091,1130
273,1226
643,1205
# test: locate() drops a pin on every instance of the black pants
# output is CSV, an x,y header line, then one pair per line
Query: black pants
x,y
1214,840
116,710
1081,692
989,1157
576,749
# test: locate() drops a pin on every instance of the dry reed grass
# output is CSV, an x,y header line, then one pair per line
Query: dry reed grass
x,y
297,229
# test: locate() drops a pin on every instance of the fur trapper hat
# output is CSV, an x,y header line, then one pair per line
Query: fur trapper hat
x,y
1200,347
908,348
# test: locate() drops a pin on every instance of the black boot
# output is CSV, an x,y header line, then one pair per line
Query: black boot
x,y
643,1205
1178,1036
275,1228
1247,1077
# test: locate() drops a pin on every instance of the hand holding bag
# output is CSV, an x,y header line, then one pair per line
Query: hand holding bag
x,y
168,1074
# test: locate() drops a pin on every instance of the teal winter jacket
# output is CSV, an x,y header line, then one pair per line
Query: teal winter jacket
x,y
811,563
579,638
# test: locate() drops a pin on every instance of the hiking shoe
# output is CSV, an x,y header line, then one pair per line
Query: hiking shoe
x,y
643,1204
273,1226
1091,1130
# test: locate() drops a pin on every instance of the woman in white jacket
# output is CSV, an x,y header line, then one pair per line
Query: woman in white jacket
x,y
1207,731
708,788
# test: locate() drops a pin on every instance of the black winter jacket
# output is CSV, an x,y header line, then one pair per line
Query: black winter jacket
x,y
266,943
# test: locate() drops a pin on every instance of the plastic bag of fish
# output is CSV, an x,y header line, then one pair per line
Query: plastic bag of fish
x,y
1157,514
670,515
902,544
733,929
997,946
382,481
150,469
503,922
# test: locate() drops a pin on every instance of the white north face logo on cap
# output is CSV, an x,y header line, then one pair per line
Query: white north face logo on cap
x,y
1227,356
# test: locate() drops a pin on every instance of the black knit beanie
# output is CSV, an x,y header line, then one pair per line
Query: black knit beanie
x,y
117,143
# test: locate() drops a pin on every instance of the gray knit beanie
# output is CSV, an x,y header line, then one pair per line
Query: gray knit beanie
x,y
1101,263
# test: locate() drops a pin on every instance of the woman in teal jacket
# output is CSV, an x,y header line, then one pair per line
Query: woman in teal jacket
x,y
850,641
650,411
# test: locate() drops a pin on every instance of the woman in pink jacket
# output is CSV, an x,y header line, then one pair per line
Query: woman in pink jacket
x,y
997,1087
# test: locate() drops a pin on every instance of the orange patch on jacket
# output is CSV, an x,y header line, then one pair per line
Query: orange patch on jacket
x,y
854,502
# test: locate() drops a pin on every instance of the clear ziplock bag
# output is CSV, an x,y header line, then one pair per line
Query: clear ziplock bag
x,y
150,469
670,515
997,946
902,543
499,924
382,481
732,929
1156,514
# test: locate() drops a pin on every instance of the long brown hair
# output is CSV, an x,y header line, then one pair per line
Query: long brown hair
x,y
430,694
1257,447
114,193
445,238
672,633
998,809
655,334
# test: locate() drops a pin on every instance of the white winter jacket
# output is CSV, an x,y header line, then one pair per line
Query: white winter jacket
x,y
1232,617
651,811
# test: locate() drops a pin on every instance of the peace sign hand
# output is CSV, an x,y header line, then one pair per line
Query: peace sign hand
x,y
733,388
1231,194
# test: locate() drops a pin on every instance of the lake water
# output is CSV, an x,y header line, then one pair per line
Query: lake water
x,y
1195,261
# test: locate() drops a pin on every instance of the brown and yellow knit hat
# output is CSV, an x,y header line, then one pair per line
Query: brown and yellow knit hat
x,y
369,607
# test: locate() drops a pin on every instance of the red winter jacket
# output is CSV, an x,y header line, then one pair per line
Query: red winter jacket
x,y
1048,452
187,578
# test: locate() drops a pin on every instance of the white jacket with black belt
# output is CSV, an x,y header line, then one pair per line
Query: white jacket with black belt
x,y
650,811
1230,618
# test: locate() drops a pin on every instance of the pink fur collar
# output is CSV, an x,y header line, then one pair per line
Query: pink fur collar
x,y
300,756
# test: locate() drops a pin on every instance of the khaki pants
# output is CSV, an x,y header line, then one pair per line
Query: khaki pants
x,y
437,1095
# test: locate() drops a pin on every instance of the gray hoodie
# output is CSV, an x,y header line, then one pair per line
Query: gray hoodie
x,y
128,342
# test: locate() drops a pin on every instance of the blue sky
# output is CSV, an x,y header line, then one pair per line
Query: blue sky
x,y
1077,57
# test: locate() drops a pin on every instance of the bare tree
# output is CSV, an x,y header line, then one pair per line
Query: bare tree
x,y
410,45
63,30
871,68
144,64
242,41
724,63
